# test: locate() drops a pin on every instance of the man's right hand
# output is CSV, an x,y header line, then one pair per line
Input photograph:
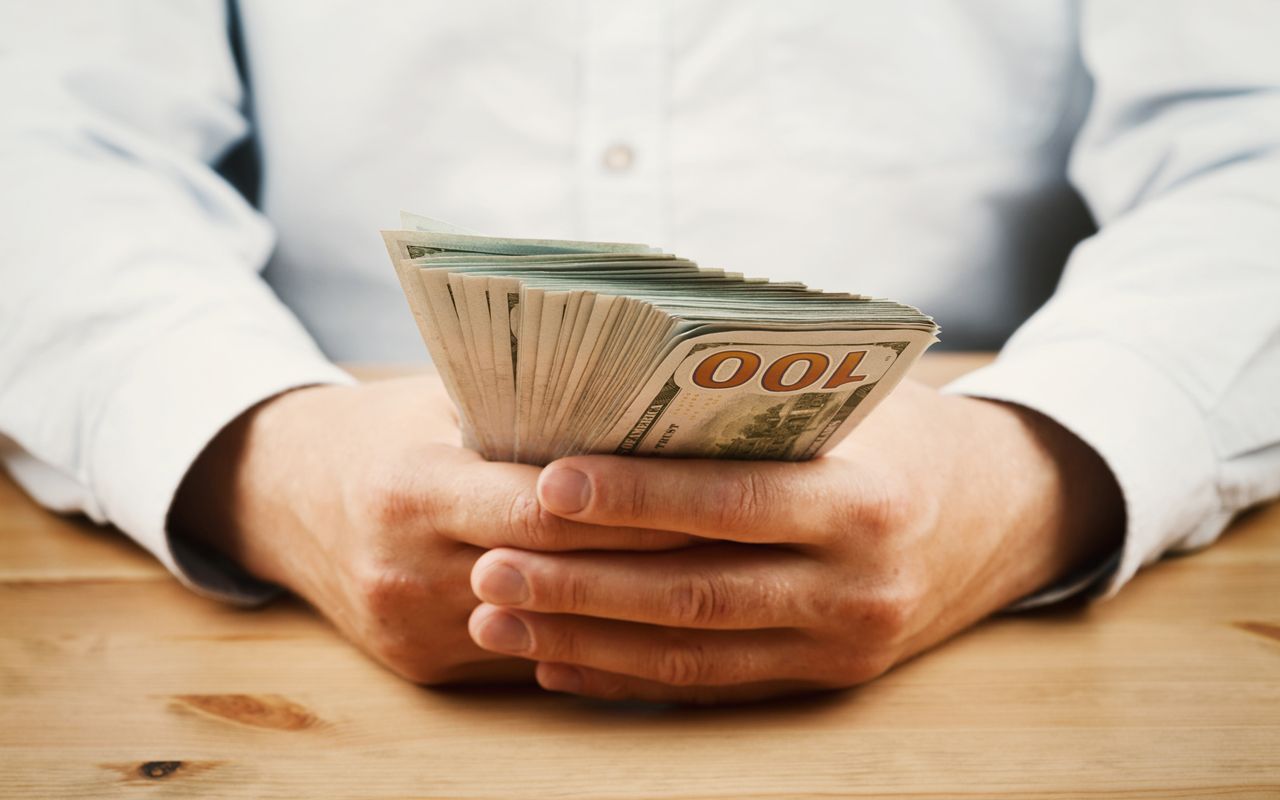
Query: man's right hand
x,y
363,501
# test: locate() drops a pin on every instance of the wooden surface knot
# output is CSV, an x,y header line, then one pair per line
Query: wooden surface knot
x,y
255,710
158,770
135,773
1264,629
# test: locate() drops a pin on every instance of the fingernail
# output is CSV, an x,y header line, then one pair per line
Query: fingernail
x,y
503,632
503,585
563,490
560,678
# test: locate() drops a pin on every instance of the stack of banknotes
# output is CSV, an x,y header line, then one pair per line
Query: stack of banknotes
x,y
553,348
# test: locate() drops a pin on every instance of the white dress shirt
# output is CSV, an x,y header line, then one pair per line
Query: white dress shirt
x,y
934,152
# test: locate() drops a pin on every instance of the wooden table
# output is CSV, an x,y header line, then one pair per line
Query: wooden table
x,y
115,681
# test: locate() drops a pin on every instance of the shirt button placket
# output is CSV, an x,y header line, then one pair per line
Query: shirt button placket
x,y
621,151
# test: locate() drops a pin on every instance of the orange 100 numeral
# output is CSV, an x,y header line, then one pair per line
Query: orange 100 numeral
x,y
749,363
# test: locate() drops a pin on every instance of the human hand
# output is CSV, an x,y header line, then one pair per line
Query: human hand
x,y
936,512
361,500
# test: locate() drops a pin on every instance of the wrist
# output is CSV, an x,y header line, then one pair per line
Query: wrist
x,y
233,499
1063,509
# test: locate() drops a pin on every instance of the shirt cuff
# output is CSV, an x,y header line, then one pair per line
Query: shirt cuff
x,y
1144,426
179,394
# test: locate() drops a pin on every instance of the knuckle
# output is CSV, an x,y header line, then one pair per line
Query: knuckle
x,y
391,598
764,596
890,613
387,605
400,648
383,592
682,664
741,500
885,620
634,500
699,601
526,524
885,508
577,592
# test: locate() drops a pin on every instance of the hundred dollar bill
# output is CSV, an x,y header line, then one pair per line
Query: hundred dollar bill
x,y
752,394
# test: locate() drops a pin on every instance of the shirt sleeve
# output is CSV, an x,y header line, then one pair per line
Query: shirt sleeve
x,y
133,322
1161,346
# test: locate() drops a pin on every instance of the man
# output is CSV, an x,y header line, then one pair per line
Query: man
x,y
931,152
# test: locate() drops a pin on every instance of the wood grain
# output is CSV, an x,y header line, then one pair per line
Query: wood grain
x,y
116,682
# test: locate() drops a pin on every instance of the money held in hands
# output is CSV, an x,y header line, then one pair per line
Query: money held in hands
x,y
553,348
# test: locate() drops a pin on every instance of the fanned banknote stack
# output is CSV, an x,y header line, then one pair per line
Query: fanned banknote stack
x,y
553,348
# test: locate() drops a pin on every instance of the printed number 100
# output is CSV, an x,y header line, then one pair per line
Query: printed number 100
x,y
746,365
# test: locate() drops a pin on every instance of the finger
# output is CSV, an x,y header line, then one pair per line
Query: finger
x,y
490,504
666,655
611,686
721,586
746,501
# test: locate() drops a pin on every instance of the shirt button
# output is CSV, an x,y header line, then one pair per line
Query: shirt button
x,y
618,158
